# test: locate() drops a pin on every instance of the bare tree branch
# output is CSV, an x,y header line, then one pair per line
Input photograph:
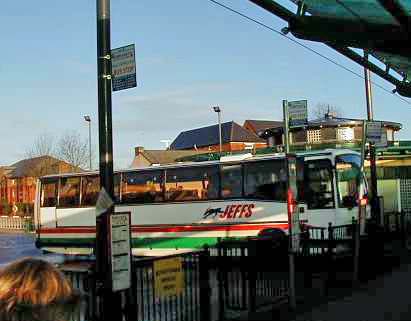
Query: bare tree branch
x,y
322,109
44,145
73,149
44,148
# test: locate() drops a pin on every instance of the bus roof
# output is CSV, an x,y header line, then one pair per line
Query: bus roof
x,y
330,153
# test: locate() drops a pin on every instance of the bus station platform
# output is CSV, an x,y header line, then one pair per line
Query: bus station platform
x,y
382,299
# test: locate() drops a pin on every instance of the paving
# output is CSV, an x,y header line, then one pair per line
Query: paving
x,y
385,296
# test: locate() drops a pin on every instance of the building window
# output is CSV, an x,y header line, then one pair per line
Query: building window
x,y
314,136
390,134
345,134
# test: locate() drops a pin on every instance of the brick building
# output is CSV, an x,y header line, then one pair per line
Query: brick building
x,y
18,182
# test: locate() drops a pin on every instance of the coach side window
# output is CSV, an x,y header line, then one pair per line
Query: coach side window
x,y
69,192
210,182
142,187
231,181
191,184
89,190
266,180
49,193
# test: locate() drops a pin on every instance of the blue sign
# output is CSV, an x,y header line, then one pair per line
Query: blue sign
x,y
297,113
123,68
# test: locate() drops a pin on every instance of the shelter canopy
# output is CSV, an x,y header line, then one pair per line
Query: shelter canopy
x,y
379,28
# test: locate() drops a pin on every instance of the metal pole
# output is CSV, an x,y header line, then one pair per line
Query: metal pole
x,y
286,137
111,304
89,142
292,294
373,162
368,94
219,130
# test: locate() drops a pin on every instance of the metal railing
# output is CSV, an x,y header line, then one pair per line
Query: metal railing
x,y
16,223
142,301
191,304
245,275
247,280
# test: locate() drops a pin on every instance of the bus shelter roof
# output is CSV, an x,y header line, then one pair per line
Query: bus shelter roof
x,y
374,33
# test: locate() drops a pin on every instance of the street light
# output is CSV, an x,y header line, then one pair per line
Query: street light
x,y
88,119
218,111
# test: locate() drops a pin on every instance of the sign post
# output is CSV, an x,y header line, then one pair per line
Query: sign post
x,y
294,114
375,137
110,259
292,208
111,302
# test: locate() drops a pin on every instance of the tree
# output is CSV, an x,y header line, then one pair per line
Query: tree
x,y
321,109
44,145
43,150
73,149
46,153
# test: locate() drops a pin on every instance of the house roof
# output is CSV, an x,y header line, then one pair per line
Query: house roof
x,y
209,136
26,167
335,121
5,170
259,125
164,156
329,121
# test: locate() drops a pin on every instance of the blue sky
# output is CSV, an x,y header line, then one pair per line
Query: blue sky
x,y
191,55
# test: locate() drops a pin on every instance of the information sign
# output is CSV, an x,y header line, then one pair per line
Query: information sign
x,y
373,133
120,251
297,113
123,68
168,277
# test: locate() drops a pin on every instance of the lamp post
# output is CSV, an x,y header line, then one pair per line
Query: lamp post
x,y
218,111
88,119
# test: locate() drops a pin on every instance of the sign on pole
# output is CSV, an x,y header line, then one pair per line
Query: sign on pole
x,y
374,131
120,251
297,113
123,68
383,141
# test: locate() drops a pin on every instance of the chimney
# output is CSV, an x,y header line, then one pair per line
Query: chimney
x,y
138,150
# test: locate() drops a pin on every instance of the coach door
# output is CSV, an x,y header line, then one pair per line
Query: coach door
x,y
349,179
318,193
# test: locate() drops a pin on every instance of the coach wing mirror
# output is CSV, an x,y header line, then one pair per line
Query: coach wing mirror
x,y
349,201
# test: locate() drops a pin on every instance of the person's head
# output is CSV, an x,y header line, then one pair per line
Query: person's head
x,y
35,290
